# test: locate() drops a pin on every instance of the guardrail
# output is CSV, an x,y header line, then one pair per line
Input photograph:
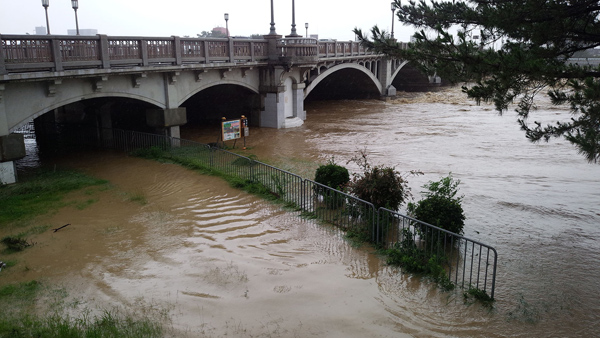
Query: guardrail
x,y
467,262
56,53
27,53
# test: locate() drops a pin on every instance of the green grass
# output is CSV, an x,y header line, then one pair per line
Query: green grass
x,y
18,318
137,197
475,294
40,194
24,308
24,292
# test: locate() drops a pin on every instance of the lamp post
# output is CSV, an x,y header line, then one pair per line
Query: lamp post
x,y
293,33
393,12
306,26
75,5
272,30
226,23
46,3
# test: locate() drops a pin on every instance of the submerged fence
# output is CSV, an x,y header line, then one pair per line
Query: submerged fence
x,y
467,263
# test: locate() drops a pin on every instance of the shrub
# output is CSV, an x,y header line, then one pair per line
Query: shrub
x,y
382,186
15,244
332,175
336,177
440,206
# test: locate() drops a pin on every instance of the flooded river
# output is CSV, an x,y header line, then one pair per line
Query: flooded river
x,y
214,261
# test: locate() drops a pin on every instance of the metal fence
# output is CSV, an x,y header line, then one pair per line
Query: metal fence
x,y
468,263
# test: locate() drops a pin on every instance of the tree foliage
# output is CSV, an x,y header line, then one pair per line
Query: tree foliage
x,y
332,175
440,205
510,51
212,34
380,185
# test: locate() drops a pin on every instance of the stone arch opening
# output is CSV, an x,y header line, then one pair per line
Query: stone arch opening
x,y
409,79
344,82
206,108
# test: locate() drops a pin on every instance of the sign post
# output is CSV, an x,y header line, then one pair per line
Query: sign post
x,y
234,129
246,130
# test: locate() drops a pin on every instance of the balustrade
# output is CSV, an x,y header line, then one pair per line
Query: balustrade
x,y
26,50
124,49
56,53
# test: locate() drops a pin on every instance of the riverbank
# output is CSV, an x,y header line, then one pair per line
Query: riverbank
x,y
37,305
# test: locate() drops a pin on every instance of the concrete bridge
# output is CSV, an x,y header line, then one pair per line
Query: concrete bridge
x,y
42,74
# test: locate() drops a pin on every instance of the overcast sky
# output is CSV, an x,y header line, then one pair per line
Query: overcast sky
x,y
332,19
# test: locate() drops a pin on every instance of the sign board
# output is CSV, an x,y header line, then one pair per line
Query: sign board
x,y
231,130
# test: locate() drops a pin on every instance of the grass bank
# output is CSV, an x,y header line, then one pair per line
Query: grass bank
x,y
25,309
19,318
41,193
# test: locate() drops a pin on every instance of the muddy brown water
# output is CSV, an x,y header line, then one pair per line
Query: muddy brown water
x,y
214,261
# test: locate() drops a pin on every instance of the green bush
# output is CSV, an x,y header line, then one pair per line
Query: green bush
x,y
332,175
382,186
440,206
336,177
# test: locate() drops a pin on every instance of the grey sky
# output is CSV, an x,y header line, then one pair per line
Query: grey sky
x,y
333,19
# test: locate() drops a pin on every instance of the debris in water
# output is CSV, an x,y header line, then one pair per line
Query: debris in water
x,y
55,230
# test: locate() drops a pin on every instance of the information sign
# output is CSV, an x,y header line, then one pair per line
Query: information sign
x,y
231,130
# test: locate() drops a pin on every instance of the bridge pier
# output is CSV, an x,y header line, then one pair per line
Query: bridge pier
x,y
12,147
283,98
385,73
104,125
167,120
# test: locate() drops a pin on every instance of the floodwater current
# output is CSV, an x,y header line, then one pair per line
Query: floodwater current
x,y
219,262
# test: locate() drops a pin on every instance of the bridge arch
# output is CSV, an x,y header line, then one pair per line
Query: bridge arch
x,y
398,69
336,68
208,85
33,112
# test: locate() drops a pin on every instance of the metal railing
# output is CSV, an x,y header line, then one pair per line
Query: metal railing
x,y
467,263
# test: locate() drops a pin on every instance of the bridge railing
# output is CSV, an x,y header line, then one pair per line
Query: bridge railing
x,y
25,53
341,49
291,47
55,53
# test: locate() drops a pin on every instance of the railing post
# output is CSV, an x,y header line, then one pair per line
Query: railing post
x,y
56,55
231,50
104,51
206,52
177,49
252,51
2,65
144,50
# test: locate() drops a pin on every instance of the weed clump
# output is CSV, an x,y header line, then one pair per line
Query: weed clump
x,y
15,244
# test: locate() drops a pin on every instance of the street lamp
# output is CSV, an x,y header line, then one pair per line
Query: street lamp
x,y
393,12
46,3
272,30
226,23
306,26
75,4
293,33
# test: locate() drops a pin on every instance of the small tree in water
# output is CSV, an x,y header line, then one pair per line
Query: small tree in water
x,y
332,175
440,206
382,186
